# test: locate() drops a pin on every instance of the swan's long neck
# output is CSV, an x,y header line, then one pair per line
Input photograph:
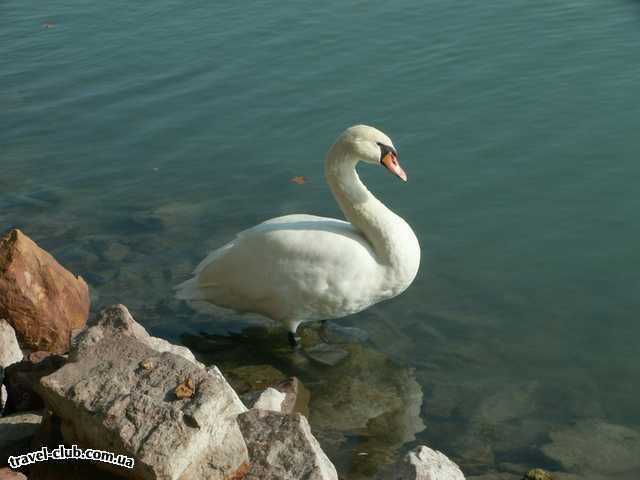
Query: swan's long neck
x,y
365,212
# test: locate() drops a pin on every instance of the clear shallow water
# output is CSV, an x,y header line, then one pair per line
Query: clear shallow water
x,y
134,138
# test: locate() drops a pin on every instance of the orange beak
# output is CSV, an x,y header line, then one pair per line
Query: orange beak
x,y
391,162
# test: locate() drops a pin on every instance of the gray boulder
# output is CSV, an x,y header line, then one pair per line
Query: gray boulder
x,y
16,432
423,463
118,394
117,319
282,447
10,352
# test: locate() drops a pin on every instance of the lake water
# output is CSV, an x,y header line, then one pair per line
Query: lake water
x,y
135,137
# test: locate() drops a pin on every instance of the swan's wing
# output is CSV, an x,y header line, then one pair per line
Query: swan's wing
x,y
289,266
267,225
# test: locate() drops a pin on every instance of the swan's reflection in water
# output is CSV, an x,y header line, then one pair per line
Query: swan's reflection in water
x,y
362,410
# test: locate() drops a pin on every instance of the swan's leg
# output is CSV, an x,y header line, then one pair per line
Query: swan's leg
x,y
294,340
323,331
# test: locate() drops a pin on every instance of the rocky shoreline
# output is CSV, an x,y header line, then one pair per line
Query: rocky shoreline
x,y
106,383
121,390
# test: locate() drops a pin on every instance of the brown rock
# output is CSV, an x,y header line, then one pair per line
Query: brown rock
x,y
297,397
41,300
8,474
241,473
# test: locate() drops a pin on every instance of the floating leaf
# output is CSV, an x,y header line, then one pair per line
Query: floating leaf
x,y
185,390
300,180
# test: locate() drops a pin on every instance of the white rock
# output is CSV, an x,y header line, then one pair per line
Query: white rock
x,y
270,399
10,352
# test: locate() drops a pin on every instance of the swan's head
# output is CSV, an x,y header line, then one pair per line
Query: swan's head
x,y
370,145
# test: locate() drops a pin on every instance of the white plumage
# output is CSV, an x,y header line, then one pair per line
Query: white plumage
x,y
300,268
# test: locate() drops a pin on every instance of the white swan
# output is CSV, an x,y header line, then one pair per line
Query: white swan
x,y
301,268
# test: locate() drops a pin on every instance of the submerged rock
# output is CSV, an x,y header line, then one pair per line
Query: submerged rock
x,y
495,476
538,474
41,300
282,447
509,403
326,354
177,214
116,252
595,447
250,378
117,393
368,391
423,463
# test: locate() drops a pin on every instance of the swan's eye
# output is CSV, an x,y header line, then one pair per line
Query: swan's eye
x,y
386,149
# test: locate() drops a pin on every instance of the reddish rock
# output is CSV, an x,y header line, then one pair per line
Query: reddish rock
x,y
8,474
297,397
41,300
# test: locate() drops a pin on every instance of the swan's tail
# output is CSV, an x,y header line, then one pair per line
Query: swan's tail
x,y
189,290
